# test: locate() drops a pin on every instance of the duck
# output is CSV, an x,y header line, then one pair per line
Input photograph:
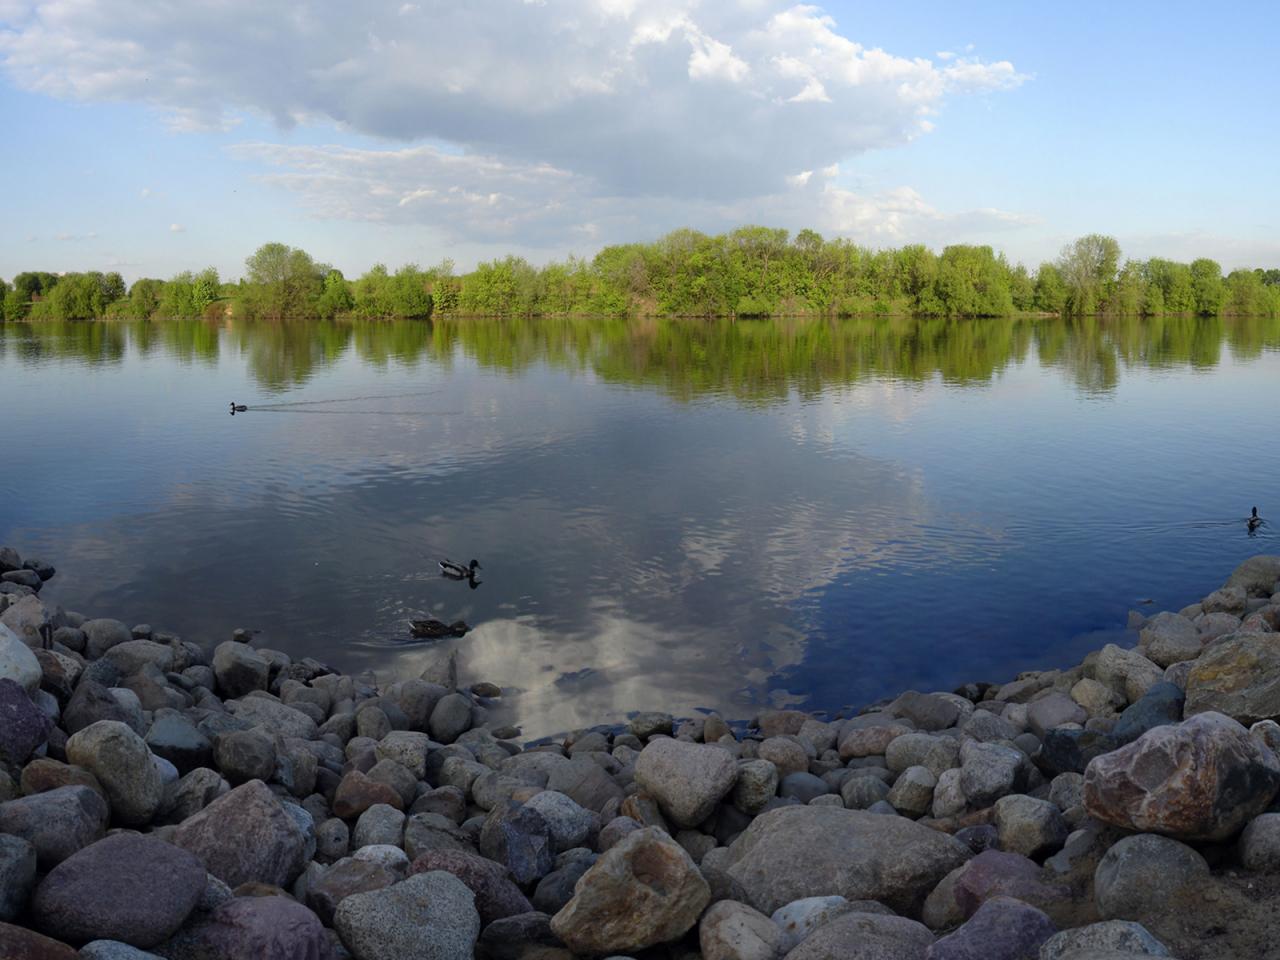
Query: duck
x,y
437,629
237,408
457,571
1255,521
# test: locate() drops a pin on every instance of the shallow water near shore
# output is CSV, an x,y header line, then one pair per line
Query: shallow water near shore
x,y
670,515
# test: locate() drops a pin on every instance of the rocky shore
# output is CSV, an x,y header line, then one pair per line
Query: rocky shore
x,y
160,800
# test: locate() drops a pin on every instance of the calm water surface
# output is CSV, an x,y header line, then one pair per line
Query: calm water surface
x,y
670,515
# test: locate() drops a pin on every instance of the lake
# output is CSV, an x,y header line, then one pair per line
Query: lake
x,y
670,514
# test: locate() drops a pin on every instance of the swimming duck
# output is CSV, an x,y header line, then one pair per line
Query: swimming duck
x,y
437,629
237,408
457,571
1254,521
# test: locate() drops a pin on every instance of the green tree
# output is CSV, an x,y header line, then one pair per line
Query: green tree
x,y
1088,267
282,282
335,299
1206,287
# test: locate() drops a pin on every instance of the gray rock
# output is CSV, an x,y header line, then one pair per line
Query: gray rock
x,y
912,792
756,785
555,890
1239,675
125,887
380,824
17,662
584,781
1001,929
23,725
1169,638
264,928
121,761
865,936
93,702
1142,874
733,931
1029,826
245,835
1260,844
1257,576
450,718
1159,706
17,875
103,634
407,748
1053,710
496,896
114,950
568,823
244,755
57,822
518,837
239,669
279,719
687,779
862,793
645,725
799,918
989,771
1127,672
804,851
176,739
1114,936
429,916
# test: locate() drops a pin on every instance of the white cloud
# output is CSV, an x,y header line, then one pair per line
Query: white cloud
x,y
177,228
670,101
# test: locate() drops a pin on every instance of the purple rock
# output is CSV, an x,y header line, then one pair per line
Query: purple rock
x,y
23,726
1002,929
996,874
496,896
265,928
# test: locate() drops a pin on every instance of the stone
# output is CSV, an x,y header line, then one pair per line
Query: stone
x,y
1169,638
1053,710
57,823
687,779
734,931
1122,937
450,718
584,781
123,764
927,711
26,578
239,669
496,896
1001,929
1098,699
556,889
642,892
804,851
1127,672
20,943
332,840
568,823
176,739
1029,826
10,559
647,724
114,950
429,916
17,875
125,887
356,793
90,703
278,719
989,771
1202,779
865,936
1239,675
349,875
244,755
803,787
1070,751
784,753
132,656
870,741
912,792
994,873
1141,875
1257,576
103,634
1260,844
756,785
23,725
518,837
613,832
862,793
380,824
1159,706
799,918
407,748
17,662
192,793
245,836
264,928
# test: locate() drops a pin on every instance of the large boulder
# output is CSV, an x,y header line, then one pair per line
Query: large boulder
x,y
1143,875
808,851
239,669
1169,638
279,718
687,779
865,936
125,887
430,916
1238,675
644,891
1257,576
123,764
103,634
57,822
1202,779
1127,672
245,835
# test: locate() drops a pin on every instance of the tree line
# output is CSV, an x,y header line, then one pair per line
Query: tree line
x,y
748,272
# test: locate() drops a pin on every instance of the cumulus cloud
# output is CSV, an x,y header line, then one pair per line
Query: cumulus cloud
x,y
671,100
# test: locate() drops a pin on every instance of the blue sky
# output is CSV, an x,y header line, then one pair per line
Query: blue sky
x,y
153,138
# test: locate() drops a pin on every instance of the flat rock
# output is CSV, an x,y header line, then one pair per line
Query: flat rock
x,y
57,822
123,764
644,891
429,916
794,852
125,887
687,779
245,836
1239,675
1203,779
